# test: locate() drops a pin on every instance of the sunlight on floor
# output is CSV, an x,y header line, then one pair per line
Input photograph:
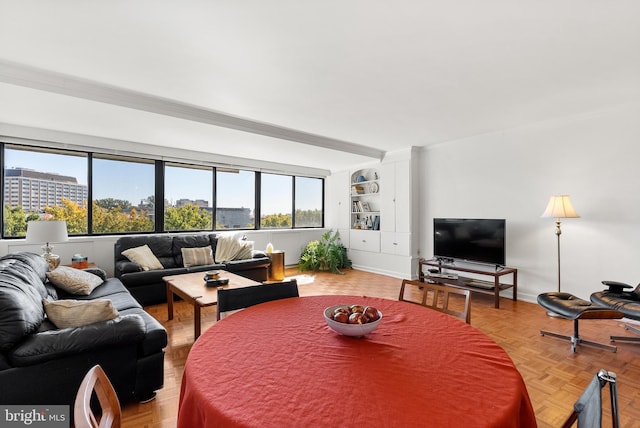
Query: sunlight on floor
x,y
302,279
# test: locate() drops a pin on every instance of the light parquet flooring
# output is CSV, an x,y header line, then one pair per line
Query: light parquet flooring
x,y
555,376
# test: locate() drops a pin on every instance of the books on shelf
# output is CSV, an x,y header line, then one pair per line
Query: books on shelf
x,y
361,207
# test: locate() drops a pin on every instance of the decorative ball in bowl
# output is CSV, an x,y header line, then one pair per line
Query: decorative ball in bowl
x,y
352,320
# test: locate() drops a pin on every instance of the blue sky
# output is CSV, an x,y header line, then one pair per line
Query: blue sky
x,y
113,180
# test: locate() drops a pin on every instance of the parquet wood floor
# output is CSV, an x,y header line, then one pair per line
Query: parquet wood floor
x,y
554,375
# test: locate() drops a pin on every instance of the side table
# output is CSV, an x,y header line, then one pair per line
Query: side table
x,y
276,268
89,265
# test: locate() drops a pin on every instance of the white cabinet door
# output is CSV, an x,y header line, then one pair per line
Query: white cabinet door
x,y
395,243
388,197
395,194
365,240
337,205
403,200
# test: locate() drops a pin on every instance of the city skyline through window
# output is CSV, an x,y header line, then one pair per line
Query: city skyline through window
x,y
118,178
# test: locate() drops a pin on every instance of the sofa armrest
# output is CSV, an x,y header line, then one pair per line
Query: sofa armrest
x,y
126,266
97,271
52,344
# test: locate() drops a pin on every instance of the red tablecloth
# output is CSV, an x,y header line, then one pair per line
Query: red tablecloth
x,y
279,365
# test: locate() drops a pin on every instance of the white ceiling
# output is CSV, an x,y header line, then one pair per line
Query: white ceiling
x,y
354,74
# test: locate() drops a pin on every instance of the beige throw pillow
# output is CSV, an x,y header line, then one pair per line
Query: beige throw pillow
x,y
197,256
74,281
76,313
144,257
231,246
246,251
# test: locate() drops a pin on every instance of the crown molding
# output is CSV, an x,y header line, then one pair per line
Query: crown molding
x,y
40,137
50,81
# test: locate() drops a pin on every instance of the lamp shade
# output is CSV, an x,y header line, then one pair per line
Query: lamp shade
x,y
39,232
560,207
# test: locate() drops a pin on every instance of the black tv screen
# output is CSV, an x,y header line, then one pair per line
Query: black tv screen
x,y
477,240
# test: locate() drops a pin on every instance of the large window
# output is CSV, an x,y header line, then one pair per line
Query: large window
x,y
235,199
308,202
276,201
123,195
188,194
44,184
111,194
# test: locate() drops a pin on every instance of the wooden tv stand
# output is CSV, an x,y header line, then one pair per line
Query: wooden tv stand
x,y
493,287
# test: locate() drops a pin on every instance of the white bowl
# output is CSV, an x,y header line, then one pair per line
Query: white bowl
x,y
349,329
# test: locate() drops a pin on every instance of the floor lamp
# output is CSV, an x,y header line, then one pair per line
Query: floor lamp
x,y
559,207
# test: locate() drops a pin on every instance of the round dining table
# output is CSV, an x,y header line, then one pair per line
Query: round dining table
x,y
278,364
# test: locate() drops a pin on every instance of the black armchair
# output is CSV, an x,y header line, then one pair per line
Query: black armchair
x,y
627,302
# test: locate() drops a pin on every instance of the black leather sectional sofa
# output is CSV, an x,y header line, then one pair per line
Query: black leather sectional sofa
x,y
148,287
43,364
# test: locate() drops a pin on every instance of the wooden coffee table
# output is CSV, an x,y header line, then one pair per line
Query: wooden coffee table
x,y
191,287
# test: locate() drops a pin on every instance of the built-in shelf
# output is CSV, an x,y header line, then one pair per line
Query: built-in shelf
x,y
365,199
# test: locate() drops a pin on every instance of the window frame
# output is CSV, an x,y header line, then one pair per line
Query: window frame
x,y
158,186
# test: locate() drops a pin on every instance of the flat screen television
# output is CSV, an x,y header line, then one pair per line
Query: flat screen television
x,y
474,240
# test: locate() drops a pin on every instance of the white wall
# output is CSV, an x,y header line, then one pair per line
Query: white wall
x,y
595,159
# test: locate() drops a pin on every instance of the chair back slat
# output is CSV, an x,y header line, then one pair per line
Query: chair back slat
x,y
436,296
231,299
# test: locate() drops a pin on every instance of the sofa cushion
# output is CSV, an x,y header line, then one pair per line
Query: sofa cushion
x,y
105,336
156,336
144,257
74,281
190,241
76,313
246,264
109,287
137,279
197,256
126,266
29,267
21,294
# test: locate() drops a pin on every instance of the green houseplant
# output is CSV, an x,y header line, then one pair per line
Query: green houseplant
x,y
327,254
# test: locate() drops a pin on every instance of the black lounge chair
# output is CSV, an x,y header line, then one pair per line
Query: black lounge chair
x,y
627,302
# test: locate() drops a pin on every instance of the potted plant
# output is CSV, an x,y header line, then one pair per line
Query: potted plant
x,y
327,254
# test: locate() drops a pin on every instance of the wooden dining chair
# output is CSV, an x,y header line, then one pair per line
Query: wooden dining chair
x,y
96,381
231,299
412,292
436,296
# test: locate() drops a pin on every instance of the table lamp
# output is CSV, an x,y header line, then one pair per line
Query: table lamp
x,y
559,207
47,231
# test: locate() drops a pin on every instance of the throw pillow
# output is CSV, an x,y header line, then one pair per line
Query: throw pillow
x,y
197,256
246,251
228,246
144,257
76,313
233,246
74,281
